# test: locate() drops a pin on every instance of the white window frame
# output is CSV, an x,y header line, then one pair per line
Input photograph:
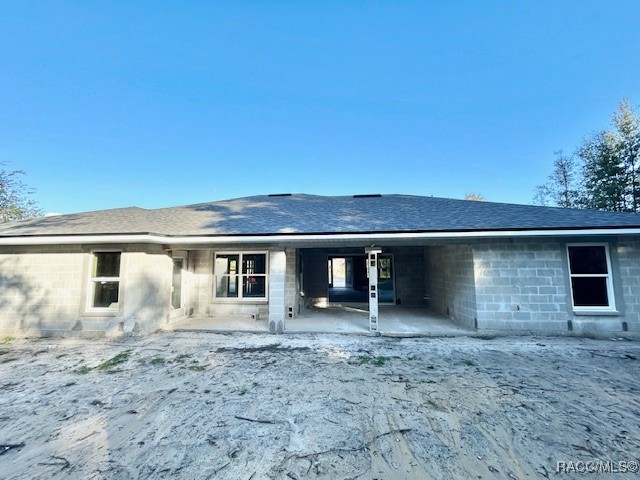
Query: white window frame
x,y
240,275
92,280
609,280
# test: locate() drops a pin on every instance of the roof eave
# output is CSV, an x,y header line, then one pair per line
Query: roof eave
x,y
302,238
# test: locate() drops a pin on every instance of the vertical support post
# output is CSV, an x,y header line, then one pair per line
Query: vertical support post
x,y
372,271
277,269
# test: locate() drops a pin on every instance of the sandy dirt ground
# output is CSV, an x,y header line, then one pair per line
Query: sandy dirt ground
x,y
246,406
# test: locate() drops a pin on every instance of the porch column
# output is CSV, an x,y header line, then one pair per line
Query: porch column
x,y
277,268
372,271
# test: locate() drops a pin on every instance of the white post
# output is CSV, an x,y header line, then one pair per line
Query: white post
x,y
372,270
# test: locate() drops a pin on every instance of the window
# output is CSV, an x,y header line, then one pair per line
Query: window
x,y
240,275
104,281
591,283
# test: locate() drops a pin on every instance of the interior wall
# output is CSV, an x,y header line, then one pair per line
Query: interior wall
x,y
450,282
409,270
315,276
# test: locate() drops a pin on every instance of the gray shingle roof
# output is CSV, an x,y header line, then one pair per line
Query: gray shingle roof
x,y
306,214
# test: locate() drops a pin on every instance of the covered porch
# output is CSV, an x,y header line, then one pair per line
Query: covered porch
x,y
419,289
393,320
354,319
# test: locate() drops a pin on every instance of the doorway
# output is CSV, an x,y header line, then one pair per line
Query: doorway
x,y
349,282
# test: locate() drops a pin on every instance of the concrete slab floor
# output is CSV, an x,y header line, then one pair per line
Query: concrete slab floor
x,y
217,324
393,319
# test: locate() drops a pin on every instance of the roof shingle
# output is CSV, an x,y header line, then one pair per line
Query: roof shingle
x,y
307,214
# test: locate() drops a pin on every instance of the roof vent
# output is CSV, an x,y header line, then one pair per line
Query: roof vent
x,y
368,195
279,195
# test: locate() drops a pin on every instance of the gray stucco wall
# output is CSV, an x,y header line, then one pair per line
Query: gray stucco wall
x,y
43,291
450,282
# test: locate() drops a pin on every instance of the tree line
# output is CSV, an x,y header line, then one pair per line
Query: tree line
x,y
603,172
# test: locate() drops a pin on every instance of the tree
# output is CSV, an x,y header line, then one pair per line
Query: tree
x,y
604,172
563,185
476,197
627,131
15,197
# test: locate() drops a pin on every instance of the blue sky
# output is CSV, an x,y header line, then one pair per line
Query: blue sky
x,y
110,104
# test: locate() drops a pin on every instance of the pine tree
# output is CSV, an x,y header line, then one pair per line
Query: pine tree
x,y
603,174
627,131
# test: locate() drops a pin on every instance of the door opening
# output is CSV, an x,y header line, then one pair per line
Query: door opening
x,y
349,281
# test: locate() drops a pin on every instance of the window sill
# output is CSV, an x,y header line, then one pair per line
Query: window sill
x,y
240,300
100,313
595,313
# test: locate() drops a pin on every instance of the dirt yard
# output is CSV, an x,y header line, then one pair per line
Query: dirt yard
x,y
246,406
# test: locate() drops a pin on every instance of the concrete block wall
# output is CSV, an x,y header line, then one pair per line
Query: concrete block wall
x,y
201,289
525,285
292,285
145,291
277,275
40,290
44,291
450,282
521,285
409,265
204,301
627,255
230,309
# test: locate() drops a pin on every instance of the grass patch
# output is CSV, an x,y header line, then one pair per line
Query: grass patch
x,y
363,360
273,347
379,361
157,361
197,368
4,352
6,340
376,361
112,362
82,370
182,357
